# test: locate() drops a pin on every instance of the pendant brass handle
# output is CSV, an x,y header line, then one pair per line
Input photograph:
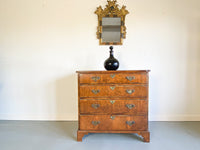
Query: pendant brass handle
x,y
130,78
130,123
112,102
95,122
130,91
112,117
95,106
112,87
95,78
95,91
130,106
112,75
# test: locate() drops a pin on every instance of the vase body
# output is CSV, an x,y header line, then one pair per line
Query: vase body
x,y
111,63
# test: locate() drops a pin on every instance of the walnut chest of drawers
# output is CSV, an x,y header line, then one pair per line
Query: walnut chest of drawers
x,y
113,102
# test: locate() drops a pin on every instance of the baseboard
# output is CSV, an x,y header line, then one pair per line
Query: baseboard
x,y
174,117
72,117
39,117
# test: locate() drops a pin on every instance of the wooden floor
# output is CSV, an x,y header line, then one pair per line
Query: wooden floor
x,y
37,135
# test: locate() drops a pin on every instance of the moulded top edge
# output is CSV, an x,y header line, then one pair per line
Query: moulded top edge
x,y
118,71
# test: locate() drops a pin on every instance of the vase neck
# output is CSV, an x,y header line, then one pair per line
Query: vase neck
x,y
111,54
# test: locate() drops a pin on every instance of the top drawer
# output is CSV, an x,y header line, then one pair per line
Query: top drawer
x,y
115,78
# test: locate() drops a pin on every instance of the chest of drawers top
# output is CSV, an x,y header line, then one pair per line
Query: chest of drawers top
x,y
117,71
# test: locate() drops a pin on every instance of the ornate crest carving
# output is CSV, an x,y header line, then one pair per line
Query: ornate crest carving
x,y
111,10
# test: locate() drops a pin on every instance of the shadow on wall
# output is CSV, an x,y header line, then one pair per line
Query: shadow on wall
x,y
66,98
154,100
193,69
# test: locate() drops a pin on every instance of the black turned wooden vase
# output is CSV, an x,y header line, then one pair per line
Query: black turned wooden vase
x,y
111,63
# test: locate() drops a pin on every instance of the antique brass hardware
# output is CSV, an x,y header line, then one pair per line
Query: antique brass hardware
x,y
130,106
130,78
95,106
112,117
130,123
95,91
95,78
130,91
112,102
95,122
112,87
112,75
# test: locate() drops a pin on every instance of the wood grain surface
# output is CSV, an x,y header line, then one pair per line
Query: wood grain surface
x,y
140,91
114,107
108,123
113,102
127,78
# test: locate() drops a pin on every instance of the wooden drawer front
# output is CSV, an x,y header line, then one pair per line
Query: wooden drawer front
x,y
134,107
113,91
115,122
114,78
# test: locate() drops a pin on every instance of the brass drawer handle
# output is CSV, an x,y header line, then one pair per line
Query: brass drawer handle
x,y
112,87
112,102
130,123
95,122
130,106
112,117
95,78
95,106
130,78
95,91
112,75
130,91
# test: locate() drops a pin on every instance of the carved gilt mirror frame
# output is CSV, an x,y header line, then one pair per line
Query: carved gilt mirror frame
x,y
111,11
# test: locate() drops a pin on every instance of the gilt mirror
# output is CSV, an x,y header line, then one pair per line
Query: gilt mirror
x,y
111,24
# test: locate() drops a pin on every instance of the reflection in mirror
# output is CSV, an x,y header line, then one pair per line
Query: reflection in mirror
x,y
111,29
111,21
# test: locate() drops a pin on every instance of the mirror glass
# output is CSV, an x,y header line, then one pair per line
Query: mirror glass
x,y
111,29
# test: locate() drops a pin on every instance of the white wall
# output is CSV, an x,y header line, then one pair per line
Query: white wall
x,y
43,43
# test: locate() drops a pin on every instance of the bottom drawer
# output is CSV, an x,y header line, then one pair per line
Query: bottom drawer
x,y
114,122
